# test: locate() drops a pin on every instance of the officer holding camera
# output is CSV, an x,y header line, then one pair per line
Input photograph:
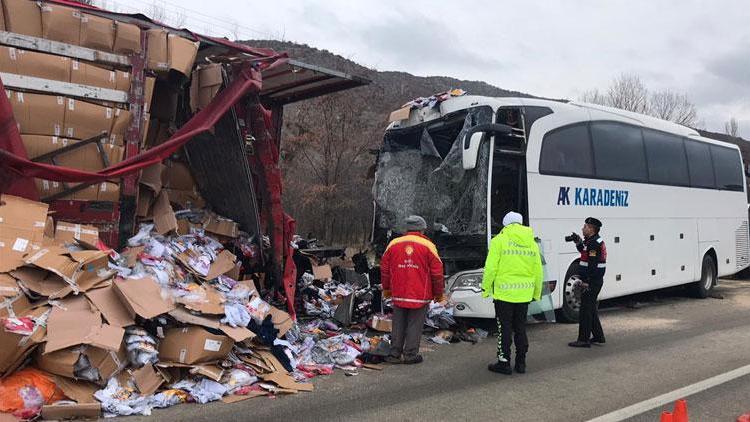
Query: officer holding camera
x,y
591,269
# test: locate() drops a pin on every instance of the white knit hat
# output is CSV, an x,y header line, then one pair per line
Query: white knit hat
x,y
512,218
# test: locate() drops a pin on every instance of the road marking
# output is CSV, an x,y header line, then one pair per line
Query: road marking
x,y
646,405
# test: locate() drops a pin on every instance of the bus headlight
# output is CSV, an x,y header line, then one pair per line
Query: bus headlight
x,y
468,282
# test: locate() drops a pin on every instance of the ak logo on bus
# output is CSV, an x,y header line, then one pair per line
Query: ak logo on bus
x,y
593,197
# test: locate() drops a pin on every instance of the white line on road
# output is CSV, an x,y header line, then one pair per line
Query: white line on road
x,y
646,405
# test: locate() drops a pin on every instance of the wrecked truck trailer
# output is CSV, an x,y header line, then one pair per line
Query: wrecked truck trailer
x,y
103,105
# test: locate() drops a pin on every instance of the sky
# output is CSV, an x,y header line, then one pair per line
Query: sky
x,y
550,48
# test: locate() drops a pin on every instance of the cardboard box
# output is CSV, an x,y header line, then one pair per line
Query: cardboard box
x,y
23,17
88,74
237,334
152,177
80,391
81,269
47,188
108,192
182,53
21,229
206,83
381,323
38,145
8,59
144,129
45,66
87,157
71,411
186,198
142,297
41,281
122,81
8,286
106,363
75,322
66,232
120,126
221,226
191,345
147,379
158,57
97,32
322,272
148,93
60,23
16,348
178,176
38,114
164,218
145,199
127,38
282,321
108,302
84,120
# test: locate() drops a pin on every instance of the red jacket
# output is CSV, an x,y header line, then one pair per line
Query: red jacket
x,y
412,270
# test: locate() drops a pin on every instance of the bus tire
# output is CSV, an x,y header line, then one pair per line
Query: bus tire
x,y
568,313
702,288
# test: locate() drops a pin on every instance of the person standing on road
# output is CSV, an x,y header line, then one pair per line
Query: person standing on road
x,y
591,269
513,278
412,275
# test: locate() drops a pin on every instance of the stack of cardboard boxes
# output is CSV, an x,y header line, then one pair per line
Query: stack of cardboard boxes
x,y
50,122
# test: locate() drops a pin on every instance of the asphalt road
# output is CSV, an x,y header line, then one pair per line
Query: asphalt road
x,y
668,342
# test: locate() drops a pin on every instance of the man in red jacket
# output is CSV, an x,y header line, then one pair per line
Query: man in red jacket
x,y
412,275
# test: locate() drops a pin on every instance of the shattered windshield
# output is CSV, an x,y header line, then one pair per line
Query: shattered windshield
x,y
420,171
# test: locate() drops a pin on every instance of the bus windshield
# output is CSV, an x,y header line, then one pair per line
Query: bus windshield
x,y
420,172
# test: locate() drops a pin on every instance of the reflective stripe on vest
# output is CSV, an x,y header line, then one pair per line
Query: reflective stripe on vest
x,y
401,299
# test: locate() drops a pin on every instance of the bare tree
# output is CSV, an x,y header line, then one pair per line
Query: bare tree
x,y
669,105
158,12
593,96
627,92
235,30
732,128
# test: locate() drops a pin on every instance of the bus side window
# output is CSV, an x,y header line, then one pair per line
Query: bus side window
x,y
567,151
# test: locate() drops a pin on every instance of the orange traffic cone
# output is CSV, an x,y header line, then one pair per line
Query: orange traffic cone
x,y
666,417
680,413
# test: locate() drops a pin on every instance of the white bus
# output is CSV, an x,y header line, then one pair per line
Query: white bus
x,y
673,204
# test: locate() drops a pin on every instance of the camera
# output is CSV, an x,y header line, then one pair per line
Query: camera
x,y
573,237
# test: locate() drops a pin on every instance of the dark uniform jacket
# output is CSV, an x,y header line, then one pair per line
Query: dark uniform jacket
x,y
593,261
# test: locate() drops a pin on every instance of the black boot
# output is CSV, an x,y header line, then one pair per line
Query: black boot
x,y
500,367
520,366
579,343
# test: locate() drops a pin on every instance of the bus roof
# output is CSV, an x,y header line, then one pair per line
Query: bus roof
x,y
595,112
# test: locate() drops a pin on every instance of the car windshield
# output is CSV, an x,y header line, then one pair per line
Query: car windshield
x,y
420,172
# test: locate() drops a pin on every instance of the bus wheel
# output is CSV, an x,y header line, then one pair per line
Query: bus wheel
x,y
702,287
571,303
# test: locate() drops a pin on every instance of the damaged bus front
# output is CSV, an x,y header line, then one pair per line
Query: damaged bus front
x,y
459,164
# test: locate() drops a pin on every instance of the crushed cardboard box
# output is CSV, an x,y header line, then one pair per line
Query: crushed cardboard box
x,y
142,297
22,225
65,232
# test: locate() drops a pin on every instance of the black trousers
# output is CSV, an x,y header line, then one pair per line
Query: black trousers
x,y
589,325
511,326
